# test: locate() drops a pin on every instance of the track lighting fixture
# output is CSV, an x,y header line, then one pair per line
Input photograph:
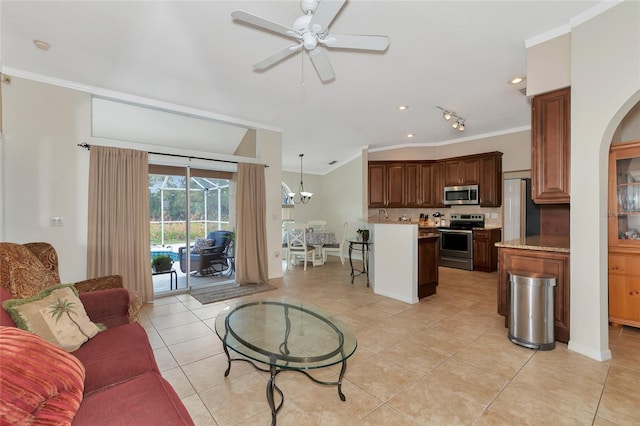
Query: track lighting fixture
x,y
448,115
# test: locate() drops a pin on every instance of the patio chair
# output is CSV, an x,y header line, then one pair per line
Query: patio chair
x,y
212,258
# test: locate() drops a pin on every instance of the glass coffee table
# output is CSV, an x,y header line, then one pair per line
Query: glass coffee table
x,y
285,336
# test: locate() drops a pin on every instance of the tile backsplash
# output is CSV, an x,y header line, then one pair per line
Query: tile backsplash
x,y
493,215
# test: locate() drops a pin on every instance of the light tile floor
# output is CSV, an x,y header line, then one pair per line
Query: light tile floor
x,y
443,361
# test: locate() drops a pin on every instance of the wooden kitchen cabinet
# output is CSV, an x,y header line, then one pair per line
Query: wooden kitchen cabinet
x,y
438,185
537,261
490,185
462,171
551,147
485,252
428,252
419,184
386,184
624,234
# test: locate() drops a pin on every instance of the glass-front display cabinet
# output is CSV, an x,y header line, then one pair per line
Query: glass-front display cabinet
x,y
624,234
624,194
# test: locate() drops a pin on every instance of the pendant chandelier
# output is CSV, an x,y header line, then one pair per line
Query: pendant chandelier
x,y
304,196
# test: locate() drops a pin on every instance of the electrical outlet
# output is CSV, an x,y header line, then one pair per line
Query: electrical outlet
x,y
56,221
494,215
277,254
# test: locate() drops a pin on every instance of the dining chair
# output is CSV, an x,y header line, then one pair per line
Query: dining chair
x,y
317,225
297,245
336,248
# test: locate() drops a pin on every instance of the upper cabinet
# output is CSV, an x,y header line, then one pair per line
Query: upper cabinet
x,y
386,184
490,186
463,171
416,184
550,147
419,184
624,196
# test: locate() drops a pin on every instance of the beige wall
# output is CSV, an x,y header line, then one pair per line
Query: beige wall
x,y
269,150
549,65
605,86
605,83
629,129
516,149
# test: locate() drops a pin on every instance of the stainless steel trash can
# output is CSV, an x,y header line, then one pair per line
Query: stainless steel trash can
x,y
531,319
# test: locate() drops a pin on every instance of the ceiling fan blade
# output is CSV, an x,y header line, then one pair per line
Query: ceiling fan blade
x,y
322,65
257,21
277,57
363,42
324,14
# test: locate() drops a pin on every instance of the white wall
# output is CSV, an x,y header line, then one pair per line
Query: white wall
x,y
45,173
605,85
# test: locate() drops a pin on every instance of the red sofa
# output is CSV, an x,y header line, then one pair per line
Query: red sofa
x,y
122,385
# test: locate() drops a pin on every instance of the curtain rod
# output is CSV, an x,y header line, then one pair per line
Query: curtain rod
x,y
190,157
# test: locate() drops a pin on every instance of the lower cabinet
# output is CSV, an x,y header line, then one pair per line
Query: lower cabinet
x,y
485,252
427,265
536,261
624,289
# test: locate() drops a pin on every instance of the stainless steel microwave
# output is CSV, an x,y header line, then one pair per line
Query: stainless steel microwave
x,y
467,194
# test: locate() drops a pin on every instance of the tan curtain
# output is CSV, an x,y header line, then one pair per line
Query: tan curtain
x,y
251,232
118,240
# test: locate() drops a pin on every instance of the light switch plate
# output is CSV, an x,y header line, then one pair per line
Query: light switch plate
x,y
56,221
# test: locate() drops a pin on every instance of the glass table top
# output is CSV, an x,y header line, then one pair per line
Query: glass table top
x,y
286,334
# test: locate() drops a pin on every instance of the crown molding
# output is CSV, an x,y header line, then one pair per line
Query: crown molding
x,y
138,100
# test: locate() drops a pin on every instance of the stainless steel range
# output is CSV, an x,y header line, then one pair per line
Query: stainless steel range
x,y
456,240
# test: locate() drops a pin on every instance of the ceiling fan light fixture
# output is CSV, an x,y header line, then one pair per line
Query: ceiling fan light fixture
x,y
446,115
455,124
461,126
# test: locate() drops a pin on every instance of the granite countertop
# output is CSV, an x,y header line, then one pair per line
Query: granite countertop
x,y
556,243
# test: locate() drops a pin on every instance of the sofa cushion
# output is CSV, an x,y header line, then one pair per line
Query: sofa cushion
x,y
40,383
115,356
145,400
21,272
55,314
5,318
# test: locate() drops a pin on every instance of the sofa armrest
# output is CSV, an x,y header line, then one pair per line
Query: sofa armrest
x,y
100,283
109,307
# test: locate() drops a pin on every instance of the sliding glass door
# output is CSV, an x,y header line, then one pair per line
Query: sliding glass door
x,y
185,229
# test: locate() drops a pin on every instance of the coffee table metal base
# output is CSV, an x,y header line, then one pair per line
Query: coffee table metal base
x,y
271,383
284,355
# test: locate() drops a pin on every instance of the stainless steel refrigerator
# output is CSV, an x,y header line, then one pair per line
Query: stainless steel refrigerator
x,y
521,214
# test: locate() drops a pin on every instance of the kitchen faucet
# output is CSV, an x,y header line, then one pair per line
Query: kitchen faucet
x,y
386,215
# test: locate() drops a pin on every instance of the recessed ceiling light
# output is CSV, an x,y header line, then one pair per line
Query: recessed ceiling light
x,y
517,80
42,45
411,135
403,107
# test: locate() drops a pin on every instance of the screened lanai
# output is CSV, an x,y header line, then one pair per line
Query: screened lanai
x,y
173,216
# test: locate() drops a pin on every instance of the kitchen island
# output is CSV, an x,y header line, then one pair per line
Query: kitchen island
x,y
404,261
546,254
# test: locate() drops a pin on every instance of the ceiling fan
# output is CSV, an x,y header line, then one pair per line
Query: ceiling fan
x,y
311,30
